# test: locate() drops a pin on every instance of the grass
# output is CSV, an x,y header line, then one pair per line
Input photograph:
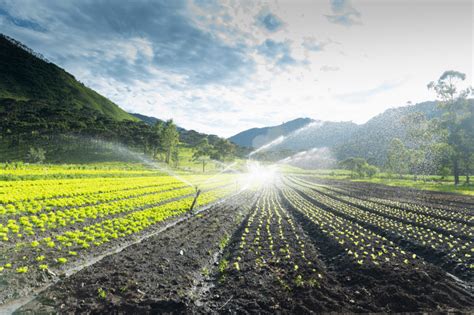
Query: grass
x,y
18,170
423,185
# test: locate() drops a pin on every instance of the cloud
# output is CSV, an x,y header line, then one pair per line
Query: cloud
x,y
175,43
310,43
363,96
208,64
273,49
327,68
344,13
270,21
279,53
23,23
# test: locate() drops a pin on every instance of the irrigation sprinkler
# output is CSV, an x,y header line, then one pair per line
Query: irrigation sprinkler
x,y
198,192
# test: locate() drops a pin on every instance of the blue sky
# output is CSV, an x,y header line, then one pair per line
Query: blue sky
x,y
224,66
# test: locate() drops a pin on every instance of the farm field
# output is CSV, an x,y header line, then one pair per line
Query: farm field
x,y
49,227
264,242
220,157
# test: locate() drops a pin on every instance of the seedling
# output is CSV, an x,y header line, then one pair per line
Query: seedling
x,y
101,293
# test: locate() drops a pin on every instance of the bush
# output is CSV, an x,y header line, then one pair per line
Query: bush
x,y
371,170
36,155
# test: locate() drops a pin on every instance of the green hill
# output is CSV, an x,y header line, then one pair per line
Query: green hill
x,y
43,107
25,75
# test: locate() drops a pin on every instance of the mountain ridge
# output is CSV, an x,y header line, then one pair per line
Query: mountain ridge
x,y
42,106
247,137
27,75
369,140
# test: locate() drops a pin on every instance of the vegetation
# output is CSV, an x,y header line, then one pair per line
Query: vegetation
x,y
48,116
54,222
457,121
359,167
26,76
423,140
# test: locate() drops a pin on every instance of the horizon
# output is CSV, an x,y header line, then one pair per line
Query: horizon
x,y
274,56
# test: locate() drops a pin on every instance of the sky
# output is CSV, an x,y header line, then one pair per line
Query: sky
x,y
221,67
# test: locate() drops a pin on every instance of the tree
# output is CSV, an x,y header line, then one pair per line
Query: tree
x,y
36,155
156,138
371,170
175,157
356,165
170,139
457,112
420,138
397,157
202,153
416,159
223,149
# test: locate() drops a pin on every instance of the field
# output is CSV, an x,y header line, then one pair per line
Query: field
x,y
423,182
97,240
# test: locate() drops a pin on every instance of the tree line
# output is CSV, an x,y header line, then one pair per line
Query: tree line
x,y
439,146
37,131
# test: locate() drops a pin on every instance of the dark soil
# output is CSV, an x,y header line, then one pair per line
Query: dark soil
x,y
157,275
423,288
177,271
435,199
14,285
269,286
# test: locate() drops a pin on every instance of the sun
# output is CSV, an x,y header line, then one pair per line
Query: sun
x,y
258,174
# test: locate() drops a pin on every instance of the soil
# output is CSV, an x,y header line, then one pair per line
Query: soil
x,y
15,286
420,289
156,275
179,270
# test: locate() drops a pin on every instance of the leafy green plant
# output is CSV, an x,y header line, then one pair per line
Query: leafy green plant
x,y
101,294
22,269
62,260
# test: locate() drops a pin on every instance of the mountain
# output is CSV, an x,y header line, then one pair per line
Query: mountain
x,y
25,75
372,139
44,107
344,139
318,134
147,119
257,137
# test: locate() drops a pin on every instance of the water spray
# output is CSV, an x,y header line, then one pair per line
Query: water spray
x,y
282,139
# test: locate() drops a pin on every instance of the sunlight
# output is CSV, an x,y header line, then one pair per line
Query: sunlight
x,y
258,174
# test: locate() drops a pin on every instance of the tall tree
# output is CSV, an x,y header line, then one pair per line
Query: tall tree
x,y
202,153
223,149
156,138
397,157
170,139
456,112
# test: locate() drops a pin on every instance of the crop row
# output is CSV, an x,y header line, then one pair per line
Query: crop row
x,y
271,241
47,205
95,196
433,222
457,249
361,244
34,225
34,171
414,200
60,248
44,189
447,209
